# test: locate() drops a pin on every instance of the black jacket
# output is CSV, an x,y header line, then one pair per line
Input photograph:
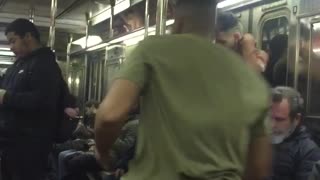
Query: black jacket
x,y
30,105
294,158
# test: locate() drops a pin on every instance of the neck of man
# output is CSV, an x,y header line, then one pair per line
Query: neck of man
x,y
34,46
196,29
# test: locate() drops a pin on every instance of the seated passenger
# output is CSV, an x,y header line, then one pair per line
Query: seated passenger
x,y
230,34
72,162
294,151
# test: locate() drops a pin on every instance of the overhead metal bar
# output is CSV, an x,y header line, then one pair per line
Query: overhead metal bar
x,y
72,6
52,31
162,8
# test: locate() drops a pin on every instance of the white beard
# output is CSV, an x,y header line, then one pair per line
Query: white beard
x,y
278,138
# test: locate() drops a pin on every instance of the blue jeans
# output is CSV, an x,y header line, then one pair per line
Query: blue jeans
x,y
62,164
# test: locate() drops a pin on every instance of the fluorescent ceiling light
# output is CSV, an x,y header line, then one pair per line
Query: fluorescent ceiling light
x,y
92,40
316,26
7,53
316,50
229,3
97,47
4,49
106,14
170,22
6,62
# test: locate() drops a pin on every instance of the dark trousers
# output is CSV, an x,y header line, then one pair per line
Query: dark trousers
x,y
25,160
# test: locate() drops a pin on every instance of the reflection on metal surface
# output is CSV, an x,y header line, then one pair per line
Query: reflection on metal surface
x,y
92,40
77,81
97,47
52,23
69,80
146,18
162,8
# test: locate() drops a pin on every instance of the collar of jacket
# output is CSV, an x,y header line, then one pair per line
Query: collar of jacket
x,y
41,50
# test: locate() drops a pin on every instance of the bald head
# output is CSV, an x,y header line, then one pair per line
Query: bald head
x,y
194,16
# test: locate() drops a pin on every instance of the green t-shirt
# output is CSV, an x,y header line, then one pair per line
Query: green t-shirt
x,y
200,105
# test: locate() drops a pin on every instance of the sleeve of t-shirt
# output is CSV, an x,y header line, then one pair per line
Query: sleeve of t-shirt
x,y
261,127
135,68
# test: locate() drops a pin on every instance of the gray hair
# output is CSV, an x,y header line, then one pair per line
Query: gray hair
x,y
294,98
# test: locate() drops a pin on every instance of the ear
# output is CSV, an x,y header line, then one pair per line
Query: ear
x,y
298,119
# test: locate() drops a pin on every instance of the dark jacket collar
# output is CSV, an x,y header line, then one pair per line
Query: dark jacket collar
x,y
299,133
40,51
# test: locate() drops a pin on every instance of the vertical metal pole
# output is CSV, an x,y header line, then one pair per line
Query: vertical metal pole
x,y
296,63
105,73
68,56
112,3
101,61
52,23
87,28
162,8
85,83
89,74
146,19
309,72
32,12
96,79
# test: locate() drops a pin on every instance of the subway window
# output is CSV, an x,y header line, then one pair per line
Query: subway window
x,y
275,41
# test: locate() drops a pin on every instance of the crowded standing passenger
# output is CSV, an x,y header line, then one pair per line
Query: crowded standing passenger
x,y
294,152
198,120
277,70
230,34
29,97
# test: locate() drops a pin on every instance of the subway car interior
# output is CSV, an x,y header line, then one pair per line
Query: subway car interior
x,y
92,38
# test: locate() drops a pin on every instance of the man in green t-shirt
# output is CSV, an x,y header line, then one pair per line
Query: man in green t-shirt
x,y
202,109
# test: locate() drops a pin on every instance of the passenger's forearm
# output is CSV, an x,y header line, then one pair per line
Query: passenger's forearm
x,y
259,159
105,136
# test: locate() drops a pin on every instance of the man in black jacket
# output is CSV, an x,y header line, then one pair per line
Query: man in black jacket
x,y
294,152
29,98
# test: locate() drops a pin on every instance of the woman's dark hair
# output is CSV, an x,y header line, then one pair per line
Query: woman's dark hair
x,y
278,45
21,27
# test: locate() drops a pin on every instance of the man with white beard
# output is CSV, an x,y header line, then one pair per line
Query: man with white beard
x,y
294,151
